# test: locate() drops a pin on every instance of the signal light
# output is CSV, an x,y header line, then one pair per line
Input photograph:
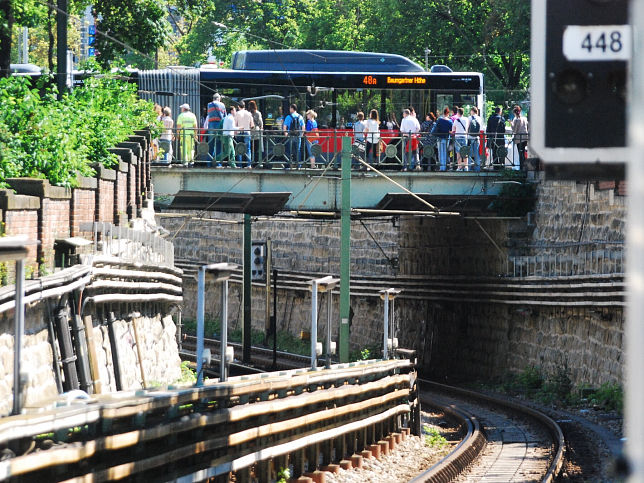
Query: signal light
x,y
258,261
579,56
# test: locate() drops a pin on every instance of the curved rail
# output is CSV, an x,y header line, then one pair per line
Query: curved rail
x,y
464,453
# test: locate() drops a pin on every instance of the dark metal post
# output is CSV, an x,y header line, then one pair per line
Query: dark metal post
x,y
115,352
274,319
19,332
68,356
61,49
246,326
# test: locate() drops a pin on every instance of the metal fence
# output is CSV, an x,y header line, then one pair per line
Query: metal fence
x,y
130,245
321,149
592,258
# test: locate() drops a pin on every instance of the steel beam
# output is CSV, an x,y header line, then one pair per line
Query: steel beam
x,y
345,252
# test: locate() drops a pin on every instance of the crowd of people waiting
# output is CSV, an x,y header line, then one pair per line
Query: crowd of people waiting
x,y
453,141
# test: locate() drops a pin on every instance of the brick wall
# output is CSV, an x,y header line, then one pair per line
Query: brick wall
x,y
105,195
54,223
19,216
83,205
120,192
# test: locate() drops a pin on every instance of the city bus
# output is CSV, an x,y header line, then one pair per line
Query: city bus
x,y
336,84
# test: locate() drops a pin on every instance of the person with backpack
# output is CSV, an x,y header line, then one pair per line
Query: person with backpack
x,y
293,127
442,128
474,134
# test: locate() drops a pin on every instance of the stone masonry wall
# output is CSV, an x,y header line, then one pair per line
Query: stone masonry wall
x,y
302,245
467,340
161,361
159,350
463,341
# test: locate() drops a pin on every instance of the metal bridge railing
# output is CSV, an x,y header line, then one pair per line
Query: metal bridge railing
x,y
271,149
130,245
592,258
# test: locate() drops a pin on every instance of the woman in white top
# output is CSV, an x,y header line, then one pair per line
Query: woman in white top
x,y
372,135
165,143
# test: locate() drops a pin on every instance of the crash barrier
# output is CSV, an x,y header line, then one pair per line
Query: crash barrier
x,y
257,425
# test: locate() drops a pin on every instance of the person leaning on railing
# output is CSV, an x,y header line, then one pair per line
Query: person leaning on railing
x,y
520,131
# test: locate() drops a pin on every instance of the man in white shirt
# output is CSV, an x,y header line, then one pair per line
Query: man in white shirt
x,y
475,126
460,138
229,127
408,127
244,122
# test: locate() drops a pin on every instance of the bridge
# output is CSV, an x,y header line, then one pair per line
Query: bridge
x,y
317,191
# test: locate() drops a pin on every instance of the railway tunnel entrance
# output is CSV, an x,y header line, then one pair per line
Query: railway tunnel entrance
x,y
436,262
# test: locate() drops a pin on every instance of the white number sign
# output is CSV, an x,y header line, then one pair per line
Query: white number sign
x,y
597,42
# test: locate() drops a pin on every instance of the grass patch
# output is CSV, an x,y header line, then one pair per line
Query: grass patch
x,y
286,341
557,388
433,437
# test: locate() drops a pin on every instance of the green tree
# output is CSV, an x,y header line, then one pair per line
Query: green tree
x,y
125,25
27,13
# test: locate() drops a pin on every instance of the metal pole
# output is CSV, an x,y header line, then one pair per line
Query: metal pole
x,y
274,319
201,289
61,48
19,330
267,271
314,325
114,346
385,352
392,332
224,330
246,325
25,45
329,308
634,329
345,250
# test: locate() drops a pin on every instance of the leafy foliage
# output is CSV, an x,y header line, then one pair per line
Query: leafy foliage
x,y
139,24
433,437
41,137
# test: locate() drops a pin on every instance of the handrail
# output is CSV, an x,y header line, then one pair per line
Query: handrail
x,y
321,149
302,407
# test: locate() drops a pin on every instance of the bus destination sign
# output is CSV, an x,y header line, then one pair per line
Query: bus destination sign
x,y
390,80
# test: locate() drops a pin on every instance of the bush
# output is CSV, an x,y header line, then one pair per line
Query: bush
x,y
609,396
41,137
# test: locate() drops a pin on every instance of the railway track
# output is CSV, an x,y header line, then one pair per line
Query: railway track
x,y
504,442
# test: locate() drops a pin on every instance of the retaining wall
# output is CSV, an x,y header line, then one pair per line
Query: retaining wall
x,y
503,339
114,196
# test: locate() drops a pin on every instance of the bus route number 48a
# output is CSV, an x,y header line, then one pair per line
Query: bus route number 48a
x,y
597,42
369,80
